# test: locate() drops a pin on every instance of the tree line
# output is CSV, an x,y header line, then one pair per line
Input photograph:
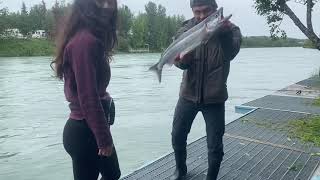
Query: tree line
x,y
264,41
151,29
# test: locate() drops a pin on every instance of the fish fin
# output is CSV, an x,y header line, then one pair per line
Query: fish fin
x,y
155,69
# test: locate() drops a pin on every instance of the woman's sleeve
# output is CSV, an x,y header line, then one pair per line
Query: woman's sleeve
x,y
83,58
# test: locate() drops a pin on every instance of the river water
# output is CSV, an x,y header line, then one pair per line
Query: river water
x,y
33,110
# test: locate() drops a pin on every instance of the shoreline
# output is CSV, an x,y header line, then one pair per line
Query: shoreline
x,y
13,47
120,53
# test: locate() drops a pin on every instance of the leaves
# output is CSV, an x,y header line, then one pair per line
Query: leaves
x,y
274,11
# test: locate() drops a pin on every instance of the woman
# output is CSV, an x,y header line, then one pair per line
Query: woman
x,y
82,62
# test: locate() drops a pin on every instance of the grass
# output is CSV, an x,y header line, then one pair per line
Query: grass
x,y
297,167
317,103
265,124
307,130
315,78
25,47
29,47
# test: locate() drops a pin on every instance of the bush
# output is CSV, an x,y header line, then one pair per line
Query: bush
x,y
123,44
309,44
26,47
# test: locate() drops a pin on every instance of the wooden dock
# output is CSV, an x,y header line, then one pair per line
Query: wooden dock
x,y
257,145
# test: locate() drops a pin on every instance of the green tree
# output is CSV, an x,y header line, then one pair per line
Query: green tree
x,y
50,24
125,20
3,19
275,11
139,37
43,14
124,27
151,12
162,28
38,14
34,15
24,10
173,23
13,20
24,21
58,11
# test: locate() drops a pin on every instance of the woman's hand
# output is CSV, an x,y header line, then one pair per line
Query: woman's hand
x,y
107,151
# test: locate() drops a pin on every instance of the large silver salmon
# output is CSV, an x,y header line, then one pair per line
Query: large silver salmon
x,y
191,39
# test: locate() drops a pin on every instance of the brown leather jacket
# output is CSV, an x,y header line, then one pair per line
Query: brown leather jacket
x,y
206,69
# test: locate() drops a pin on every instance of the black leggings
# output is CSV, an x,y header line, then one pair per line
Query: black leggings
x,y
79,142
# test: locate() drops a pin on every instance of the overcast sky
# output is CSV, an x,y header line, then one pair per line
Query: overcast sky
x,y
243,13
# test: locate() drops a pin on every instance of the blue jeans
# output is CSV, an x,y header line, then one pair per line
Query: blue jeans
x,y
214,116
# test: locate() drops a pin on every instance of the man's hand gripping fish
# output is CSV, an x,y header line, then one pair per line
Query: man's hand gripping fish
x,y
191,39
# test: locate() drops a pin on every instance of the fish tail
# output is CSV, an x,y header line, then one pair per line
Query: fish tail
x,y
158,71
228,17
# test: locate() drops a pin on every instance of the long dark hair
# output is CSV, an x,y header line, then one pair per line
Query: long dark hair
x,y
85,14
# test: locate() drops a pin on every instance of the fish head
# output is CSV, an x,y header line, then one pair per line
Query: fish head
x,y
213,20
215,23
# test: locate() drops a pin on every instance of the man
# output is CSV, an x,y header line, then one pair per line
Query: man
x,y
204,89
